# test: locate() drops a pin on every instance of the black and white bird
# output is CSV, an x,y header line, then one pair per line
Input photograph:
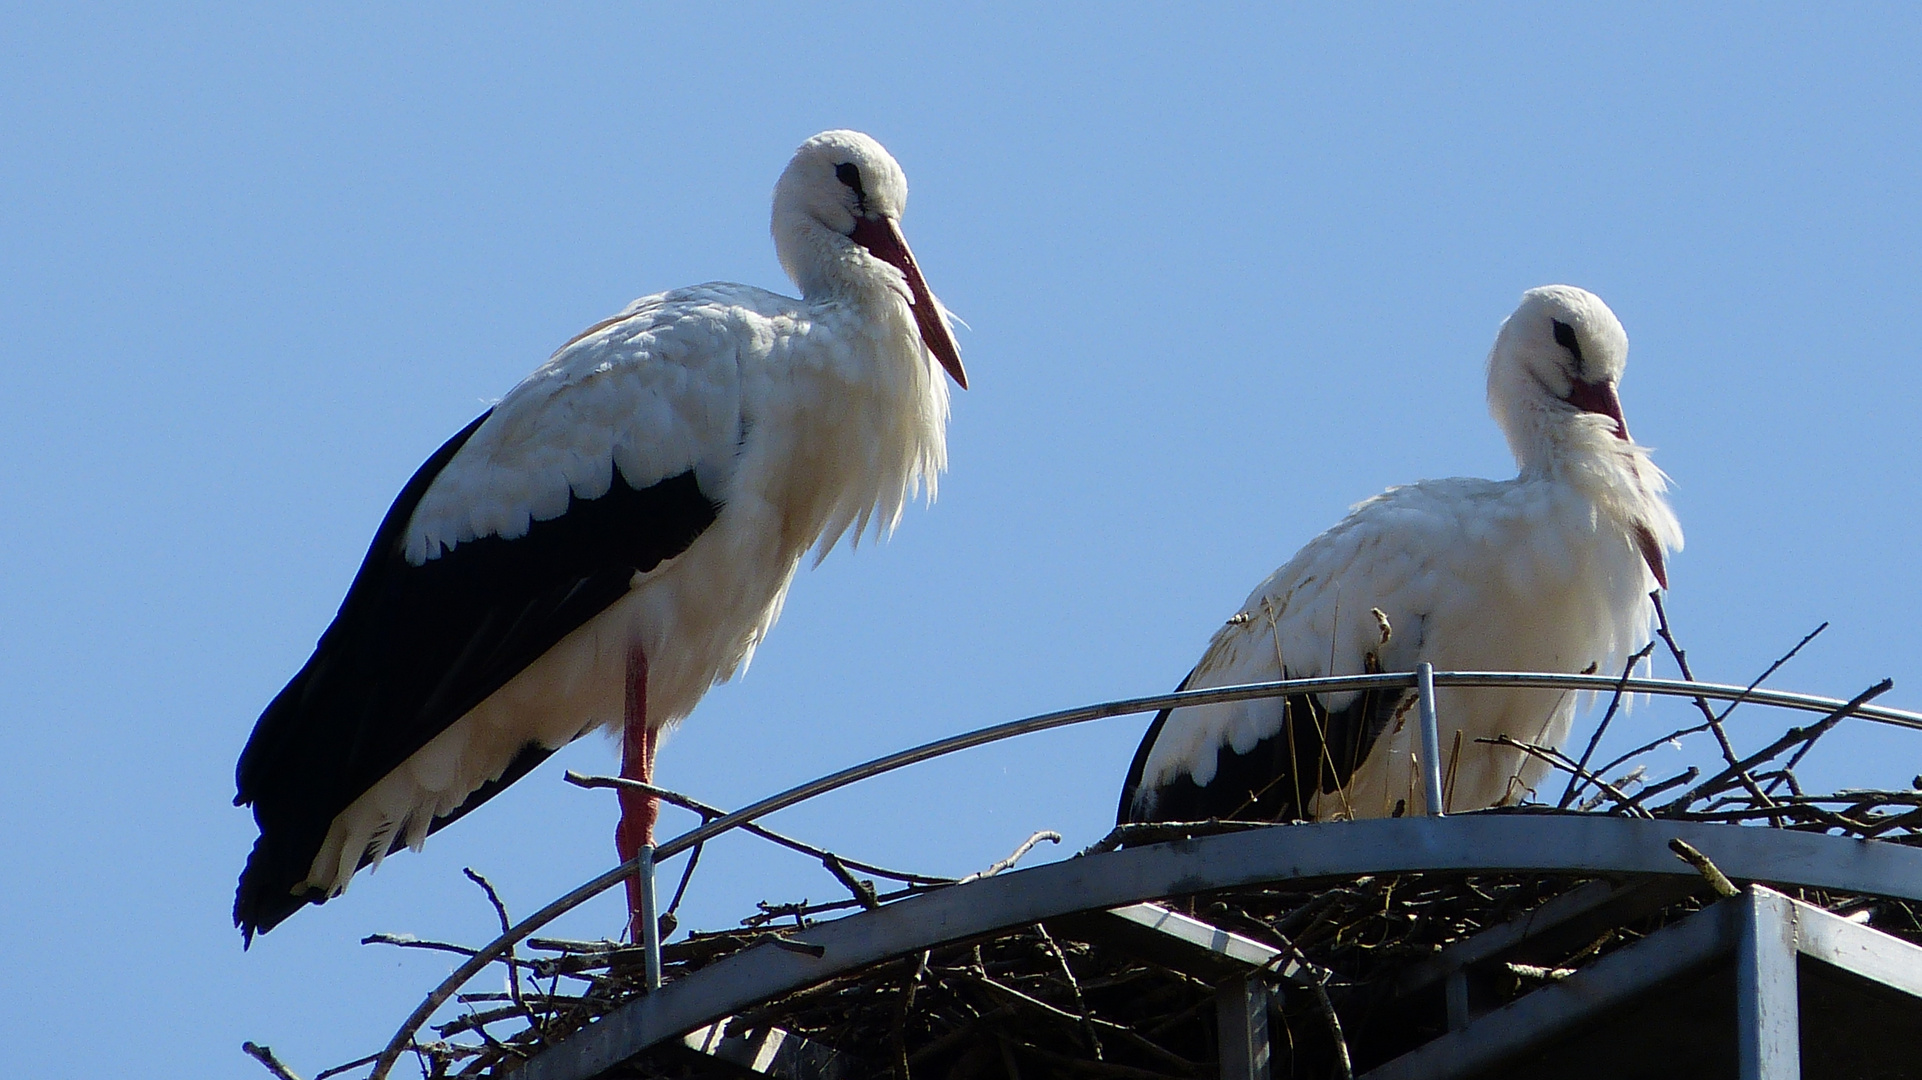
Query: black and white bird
x,y
1550,571
611,539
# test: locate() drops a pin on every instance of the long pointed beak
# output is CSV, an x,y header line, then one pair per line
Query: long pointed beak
x,y
1652,554
882,237
1600,397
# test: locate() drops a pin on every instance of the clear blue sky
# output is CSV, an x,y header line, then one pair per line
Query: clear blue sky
x,y
1226,274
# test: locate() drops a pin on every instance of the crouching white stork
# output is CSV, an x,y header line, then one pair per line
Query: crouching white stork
x,y
611,539
1550,571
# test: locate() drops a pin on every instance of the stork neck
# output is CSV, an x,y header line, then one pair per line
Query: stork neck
x,y
828,267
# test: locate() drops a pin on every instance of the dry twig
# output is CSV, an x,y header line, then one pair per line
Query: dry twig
x,y
265,1056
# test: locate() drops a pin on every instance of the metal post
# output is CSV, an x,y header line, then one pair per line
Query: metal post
x,y
1241,1027
1430,737
1455,996
1767,1021
650,919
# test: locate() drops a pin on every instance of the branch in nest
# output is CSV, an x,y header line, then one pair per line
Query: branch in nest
x,y
338,1069
1560,760
265,1056
1027,845
1714,721
1575,781
1709,871
709,813
513,963
1794,735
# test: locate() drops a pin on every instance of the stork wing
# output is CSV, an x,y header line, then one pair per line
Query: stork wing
x,y
607,461
1269,759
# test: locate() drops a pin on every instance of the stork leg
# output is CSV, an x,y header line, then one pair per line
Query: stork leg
x,y
638,809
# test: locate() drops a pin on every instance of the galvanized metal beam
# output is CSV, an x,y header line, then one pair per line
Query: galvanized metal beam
x,y
1241,1028
1559,926
1167,937
1560,1006
1578,913
1825,936
1768,1027
769,1051
1488,842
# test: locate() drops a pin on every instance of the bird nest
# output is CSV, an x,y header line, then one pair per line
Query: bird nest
x,y
1062,998
1056,999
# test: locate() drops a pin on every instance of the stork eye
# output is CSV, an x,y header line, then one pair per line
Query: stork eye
x,y
851,176
1565,337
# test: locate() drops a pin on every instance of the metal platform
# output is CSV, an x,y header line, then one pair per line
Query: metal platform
x,y
1721,986
1753,987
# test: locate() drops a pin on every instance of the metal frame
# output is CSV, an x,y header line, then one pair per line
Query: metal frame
x,y
1764,930
1424,681
1470,842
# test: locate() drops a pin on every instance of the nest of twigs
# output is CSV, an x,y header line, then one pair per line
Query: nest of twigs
x,y
1061,1005
1055,999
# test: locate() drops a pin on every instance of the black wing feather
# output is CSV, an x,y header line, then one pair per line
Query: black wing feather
x,y
414,648
1316,751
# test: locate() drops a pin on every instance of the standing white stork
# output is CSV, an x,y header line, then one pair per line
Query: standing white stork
x,y
610,540
1550,571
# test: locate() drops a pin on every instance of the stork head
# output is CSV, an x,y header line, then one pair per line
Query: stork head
x,y
1553,373
1552,380
837,229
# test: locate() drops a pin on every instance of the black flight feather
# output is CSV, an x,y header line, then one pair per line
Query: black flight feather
x,y
1315,752
414,648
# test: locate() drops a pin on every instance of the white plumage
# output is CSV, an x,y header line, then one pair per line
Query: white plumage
x,y
744,428
1549,571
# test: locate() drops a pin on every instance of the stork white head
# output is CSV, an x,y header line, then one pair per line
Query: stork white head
x,y
837,229
1553,372
1552,379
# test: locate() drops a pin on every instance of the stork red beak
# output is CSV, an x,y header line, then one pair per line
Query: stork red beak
x,y
882,237
1652,554
1600,397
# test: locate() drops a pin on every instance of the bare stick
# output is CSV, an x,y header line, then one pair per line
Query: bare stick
x,y
1714,721
409,941
338,1069
1795,735
668,921
1317,978
1788,770
862,890
1027,845
898,1040
1334,1028
1074,984
1560,761
1709,871
1673,736
513,964
1614,703
980,975
266,1057
709,813
1683,777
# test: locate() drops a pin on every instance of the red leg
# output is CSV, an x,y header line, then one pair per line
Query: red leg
x,y
638,809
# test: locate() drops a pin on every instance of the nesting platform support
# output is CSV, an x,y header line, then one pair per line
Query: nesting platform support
x,y
1673,989
1491,842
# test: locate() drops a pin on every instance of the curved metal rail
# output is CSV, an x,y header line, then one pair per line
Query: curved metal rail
x,y
1568,843
1066,717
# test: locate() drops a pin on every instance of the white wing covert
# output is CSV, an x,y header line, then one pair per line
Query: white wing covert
x,y
655,391
1315,616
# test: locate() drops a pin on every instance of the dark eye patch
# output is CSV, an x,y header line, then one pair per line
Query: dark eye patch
x,y
851,176
1565,337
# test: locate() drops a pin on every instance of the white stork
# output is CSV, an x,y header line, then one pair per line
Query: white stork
x,y
1550,571
610,540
